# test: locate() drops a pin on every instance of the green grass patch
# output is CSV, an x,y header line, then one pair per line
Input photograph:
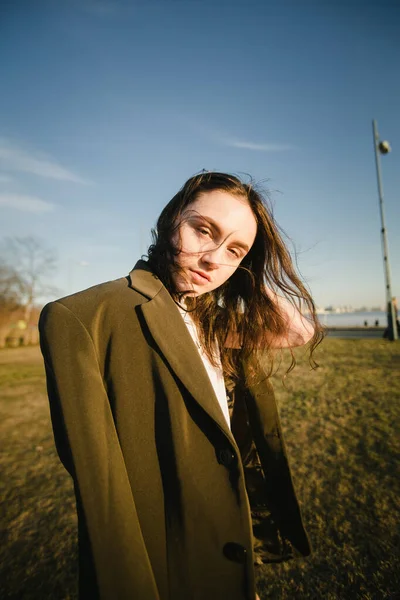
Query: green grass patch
x,y
342,430
341,426
14,375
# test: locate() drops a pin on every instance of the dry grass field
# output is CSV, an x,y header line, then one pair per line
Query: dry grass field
x,y
342,431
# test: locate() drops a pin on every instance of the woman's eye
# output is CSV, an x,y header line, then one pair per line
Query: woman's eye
x,y
234,252
203,231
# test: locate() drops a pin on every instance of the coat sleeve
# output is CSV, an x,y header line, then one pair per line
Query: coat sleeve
x,y
267,433
88,446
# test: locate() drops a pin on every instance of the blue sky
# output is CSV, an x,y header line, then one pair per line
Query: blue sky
x,y
106,108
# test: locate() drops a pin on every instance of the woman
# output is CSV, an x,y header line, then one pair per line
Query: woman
x,y
179,490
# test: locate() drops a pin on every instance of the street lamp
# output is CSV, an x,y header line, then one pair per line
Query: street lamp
x,y
383,147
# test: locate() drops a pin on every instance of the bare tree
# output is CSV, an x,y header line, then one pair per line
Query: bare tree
x,y
10,288
32,264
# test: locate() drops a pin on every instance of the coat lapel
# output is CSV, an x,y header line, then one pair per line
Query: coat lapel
x,y
175,342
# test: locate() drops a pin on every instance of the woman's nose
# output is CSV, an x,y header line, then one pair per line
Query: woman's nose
x,y
212,257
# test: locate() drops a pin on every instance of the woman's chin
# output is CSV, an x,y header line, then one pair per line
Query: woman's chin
x,y
183,286
190,288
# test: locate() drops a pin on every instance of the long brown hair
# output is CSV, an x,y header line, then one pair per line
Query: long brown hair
x,y
241,304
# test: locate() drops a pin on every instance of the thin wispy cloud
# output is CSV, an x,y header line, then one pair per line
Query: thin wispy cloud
x,y
232,142
25,203
18,159
259,147
221,138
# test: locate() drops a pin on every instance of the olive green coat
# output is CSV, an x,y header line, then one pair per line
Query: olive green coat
x,y
162,504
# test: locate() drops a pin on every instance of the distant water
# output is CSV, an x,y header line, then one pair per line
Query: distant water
x,y
353,319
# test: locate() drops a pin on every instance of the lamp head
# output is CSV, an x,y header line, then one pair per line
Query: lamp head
x,y
384,147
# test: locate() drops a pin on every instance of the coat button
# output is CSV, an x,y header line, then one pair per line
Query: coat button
x,y
226,457
235,552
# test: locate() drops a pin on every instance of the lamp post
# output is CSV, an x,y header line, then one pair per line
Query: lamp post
x,y
383,147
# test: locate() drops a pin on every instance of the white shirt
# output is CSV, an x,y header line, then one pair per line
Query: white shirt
x,y
215,374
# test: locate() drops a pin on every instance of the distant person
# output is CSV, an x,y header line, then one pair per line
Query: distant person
x,y
138,371
365,323
377,323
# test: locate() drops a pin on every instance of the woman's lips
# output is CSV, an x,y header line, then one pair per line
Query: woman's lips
x,y
199,278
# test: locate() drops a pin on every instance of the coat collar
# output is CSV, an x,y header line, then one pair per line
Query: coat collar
x,y
175,342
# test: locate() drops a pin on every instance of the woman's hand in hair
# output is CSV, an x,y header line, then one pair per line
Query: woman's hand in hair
x,y
299,330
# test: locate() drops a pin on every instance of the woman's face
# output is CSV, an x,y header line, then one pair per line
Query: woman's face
x,y
216,232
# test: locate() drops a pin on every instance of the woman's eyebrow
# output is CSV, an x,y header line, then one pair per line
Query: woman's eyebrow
x,y
216,227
